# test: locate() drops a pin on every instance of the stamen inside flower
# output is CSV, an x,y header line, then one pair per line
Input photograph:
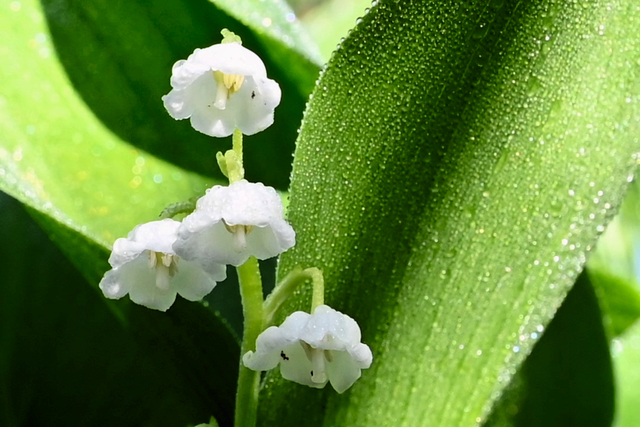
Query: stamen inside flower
x,y
240,233
166,266
228,84
317,358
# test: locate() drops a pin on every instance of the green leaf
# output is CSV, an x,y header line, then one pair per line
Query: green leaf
x,y
567,380
626,358
56,157
119,55
275,24
338,15
456,164
66,360
614,265
620,300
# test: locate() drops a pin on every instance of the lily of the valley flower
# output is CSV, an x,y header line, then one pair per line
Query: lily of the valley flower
x,y
313,349
146,267
221,88
232,223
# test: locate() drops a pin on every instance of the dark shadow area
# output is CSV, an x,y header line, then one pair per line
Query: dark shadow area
x,y
66,359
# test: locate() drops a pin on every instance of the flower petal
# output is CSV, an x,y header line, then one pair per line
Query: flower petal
x,y
185,72
342,370
264,243
179,104
211,245
273,340
195,91
207,234
142,288
295,366
331,330
259,104
193,283
124,251
268,347
229,58
112,286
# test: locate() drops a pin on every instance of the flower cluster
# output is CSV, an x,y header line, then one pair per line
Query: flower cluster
x,y
224,90
160,259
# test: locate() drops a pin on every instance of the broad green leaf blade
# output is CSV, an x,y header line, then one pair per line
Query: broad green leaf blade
x,y
337,14
620,300
283,38
626,352
56,157
454,168
567,380
274,19
66,360
119,55
87,188
614,265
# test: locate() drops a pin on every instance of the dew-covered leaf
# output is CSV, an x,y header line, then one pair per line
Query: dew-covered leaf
x,y
339,15
455,166
567,380
57,158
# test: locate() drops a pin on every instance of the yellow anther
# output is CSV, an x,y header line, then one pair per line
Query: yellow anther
x,y
228,84
233,82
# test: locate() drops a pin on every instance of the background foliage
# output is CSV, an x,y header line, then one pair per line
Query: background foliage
x,y
456,164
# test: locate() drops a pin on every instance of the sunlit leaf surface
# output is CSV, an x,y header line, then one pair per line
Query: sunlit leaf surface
x,y
56,157
455,166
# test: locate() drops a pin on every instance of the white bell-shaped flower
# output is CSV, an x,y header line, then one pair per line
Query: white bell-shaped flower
x,y
313,349
222,88
232,223
146,267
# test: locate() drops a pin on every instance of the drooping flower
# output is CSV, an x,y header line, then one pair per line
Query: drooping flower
x,y
222,88
313,349
232,223
146,267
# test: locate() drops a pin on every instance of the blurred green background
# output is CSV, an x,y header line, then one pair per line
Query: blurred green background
x,y
613,268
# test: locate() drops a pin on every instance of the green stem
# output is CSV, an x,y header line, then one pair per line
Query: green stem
x,y
288,285
179,208
280,293
231,162
236,144
317,298
248,380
